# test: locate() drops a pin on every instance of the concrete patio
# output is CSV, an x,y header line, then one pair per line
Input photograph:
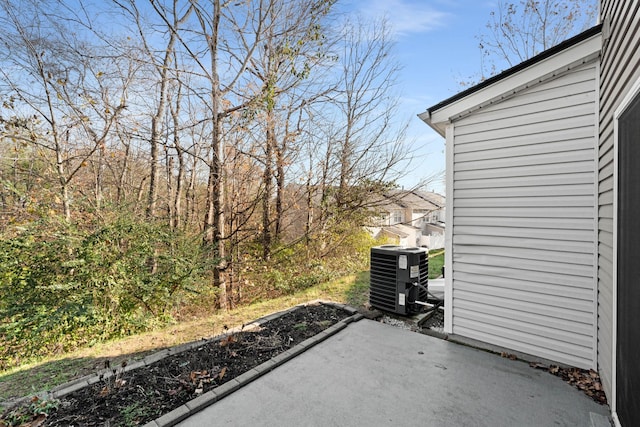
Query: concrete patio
x,y
372,374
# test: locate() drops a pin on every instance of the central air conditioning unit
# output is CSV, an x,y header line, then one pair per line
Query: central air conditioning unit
x,y
399,279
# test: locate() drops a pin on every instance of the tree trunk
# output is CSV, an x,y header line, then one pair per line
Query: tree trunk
x,y
176,219
309,202
177,200
170,185
267,177
279,192
214,226
190,209
64,183
153,178
120,192
156,121
99,180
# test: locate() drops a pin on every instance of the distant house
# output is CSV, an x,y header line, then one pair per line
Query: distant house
x,y
409,218
542,237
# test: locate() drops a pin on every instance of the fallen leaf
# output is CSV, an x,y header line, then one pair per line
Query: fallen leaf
x,y
222,372
39,420
228,340
194,376
537,365
104,391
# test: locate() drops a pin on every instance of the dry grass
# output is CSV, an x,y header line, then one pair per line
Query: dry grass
x,y
50,372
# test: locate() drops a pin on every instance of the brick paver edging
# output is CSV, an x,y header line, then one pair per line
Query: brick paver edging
x,y
174,417
182,412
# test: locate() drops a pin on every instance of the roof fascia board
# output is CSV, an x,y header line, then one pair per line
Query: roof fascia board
x,y
571,57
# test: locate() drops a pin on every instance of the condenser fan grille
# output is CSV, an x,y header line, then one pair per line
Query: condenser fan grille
x,y
382,292
398,279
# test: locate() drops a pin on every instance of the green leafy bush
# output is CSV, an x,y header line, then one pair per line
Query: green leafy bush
x,y
296,267
60,288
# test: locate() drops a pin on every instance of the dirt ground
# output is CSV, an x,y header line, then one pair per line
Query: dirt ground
x,y
141,395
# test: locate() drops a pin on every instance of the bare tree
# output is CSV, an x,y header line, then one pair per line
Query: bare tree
x,y
517,31
292,48
161,60
216,47
57,79
368,143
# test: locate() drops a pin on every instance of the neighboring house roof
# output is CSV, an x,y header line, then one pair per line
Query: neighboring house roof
x,y
413,200
401,230
435,198
544,66
396,231
435,227
384,204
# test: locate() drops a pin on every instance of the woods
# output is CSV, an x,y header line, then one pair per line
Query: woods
x,y
156,154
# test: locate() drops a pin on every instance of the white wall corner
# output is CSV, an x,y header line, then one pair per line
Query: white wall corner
x,y
596,218
448,245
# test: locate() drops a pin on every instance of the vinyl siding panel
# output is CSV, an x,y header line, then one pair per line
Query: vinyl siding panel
x,y
620,68
525,191
524,220
531,140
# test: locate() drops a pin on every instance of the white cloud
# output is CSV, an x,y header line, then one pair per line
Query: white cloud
x,y
405,16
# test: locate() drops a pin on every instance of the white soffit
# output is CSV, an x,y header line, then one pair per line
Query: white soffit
x,y
548,68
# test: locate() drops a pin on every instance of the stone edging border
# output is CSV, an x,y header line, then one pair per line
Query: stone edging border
x,y
195,405
182,412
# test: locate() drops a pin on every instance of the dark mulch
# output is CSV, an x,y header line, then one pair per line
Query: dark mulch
x,y
141,395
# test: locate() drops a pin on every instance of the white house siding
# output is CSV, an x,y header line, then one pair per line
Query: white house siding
x,y
524,220
620,68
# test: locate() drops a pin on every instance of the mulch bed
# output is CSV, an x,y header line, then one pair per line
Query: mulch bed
x,y
144,394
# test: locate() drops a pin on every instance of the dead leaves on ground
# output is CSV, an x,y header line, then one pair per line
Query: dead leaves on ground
x,y
509,356
198,379
34,415
586,380
118,383
36,422
229,339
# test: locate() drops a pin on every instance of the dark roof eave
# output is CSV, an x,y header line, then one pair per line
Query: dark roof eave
x,y
521,66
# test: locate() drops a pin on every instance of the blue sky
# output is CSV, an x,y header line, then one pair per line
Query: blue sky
x,y
437,48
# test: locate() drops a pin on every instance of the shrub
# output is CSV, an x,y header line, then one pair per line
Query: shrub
x,y
299,266
60,289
